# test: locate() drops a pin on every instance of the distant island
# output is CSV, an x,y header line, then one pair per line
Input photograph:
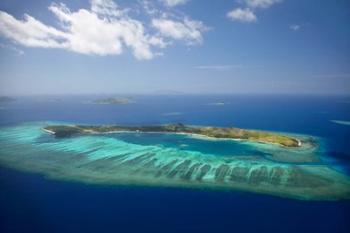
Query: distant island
x,y
213,132
113,100
6,99
220,103
172,114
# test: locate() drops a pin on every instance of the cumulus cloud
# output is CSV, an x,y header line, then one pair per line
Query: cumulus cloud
x,y
187,29
172,3
244,15
31,32
104,29
247,14
107,7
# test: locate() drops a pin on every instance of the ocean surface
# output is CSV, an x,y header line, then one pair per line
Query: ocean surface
x,y
32,202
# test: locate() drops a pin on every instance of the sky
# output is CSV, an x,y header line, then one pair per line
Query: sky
x,y
174,47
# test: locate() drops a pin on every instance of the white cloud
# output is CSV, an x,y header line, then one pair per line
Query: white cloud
x,y
243,15
95,32
261,3
30,32
247,14
294,27
186,29
172,3
104,29
107,7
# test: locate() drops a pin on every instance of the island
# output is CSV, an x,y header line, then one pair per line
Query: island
x,y
113,100
6,99
212,132
172,114
220,103
276,164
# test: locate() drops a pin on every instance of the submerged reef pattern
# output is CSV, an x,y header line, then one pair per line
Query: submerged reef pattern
x,y
104,159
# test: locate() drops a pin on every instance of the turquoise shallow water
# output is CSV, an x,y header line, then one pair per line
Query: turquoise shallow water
x,y
185,160
108,145
31,202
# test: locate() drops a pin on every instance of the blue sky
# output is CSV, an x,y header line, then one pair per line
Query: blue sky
x,y
174,46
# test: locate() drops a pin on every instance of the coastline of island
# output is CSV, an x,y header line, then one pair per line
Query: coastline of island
x,y
113,100
91,154
202,131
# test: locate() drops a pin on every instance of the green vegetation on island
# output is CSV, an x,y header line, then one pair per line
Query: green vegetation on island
x,y
213,132
94,156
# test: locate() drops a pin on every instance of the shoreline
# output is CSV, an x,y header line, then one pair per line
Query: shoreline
x,y
48,131
105,164
193,135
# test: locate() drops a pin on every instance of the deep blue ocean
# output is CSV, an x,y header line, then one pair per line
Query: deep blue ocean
x,y
32,203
